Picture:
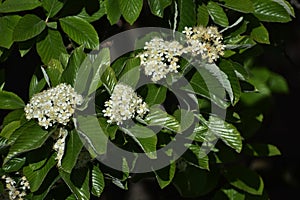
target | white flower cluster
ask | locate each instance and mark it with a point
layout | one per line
(55, 105)
(160, 58)
(16, 190)
(124, 104)
(204, 41)
(59, 145)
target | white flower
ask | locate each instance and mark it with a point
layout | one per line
(55, 105)
(59, 146)
(16, 190)
(206, 42)
(160, 58)
(124, 104)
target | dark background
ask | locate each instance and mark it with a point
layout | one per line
(281, 174)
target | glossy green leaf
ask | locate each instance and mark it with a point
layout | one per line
(8, 129)
(270, 11)
(187, 14)
(217, 14)
(113, 11)
(36, 176)
(98, 182)
(8, 24)
(158, 117)
(165, 175)
(28, 137)
(10, 101)
(131, 72)
(70, 73)
(98, 11)
(245, 7)
(157, 7)
(80, 31)
(156, 94)
(131, 9)
(28, 27)
(261, 150)
(14, 115)
(202, 15)
(195, 182)
(72, 150)
(226, 132)
(16, 5)
(202, 158)
(92, 134)
(287, 6)
(51, 47)
(52, 7)
(245, 179)
(78, 182)
(260, 34)
(109, 79)
(144, 137)
(228, 69)
(14, 165)
(54, 70)
(36, 85)
(46, 186)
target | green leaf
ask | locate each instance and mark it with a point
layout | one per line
(28, 137)
(54, 71)
(165, 175)
(260, 34)
(35, 85)
(158, 117)
(70, 73)
(94, 15)
(156, 94)
(277, 83)
(131, 9)
(14, 165)
(195, 182)
(9, 129)
(217, 14)
(187, 14)
(287, 6)
(92, 134)
(51, 47)
(8, 24)
(14, 115)
(98, 183)
(109, 79)
(10, 101)
(17, 5)
(36, 176)
(25, 46)
(78, 182)
(113, 11)
(270, 11)
(202, 158)
(245, 179)
(131, 72)
(228, 69)
(202, 15)
(80, 31)
(72, 150)
(229, 193)
(144, 137)
(245, 7)
(261, 150)
(52, 7)
(28, 27)
(227, 132)
(157, 7)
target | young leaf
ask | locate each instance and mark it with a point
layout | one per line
(98, 182)
(217, 14)
(80, 31)
(260, 34)
(113, 11)
(17, 5)
(28, 27)
(131, 9)
(270, 11)
(7, 24)
(202, 15)
(10, 101)
(51, 47)
(157, 7)
(187, 14)
(52, 7)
